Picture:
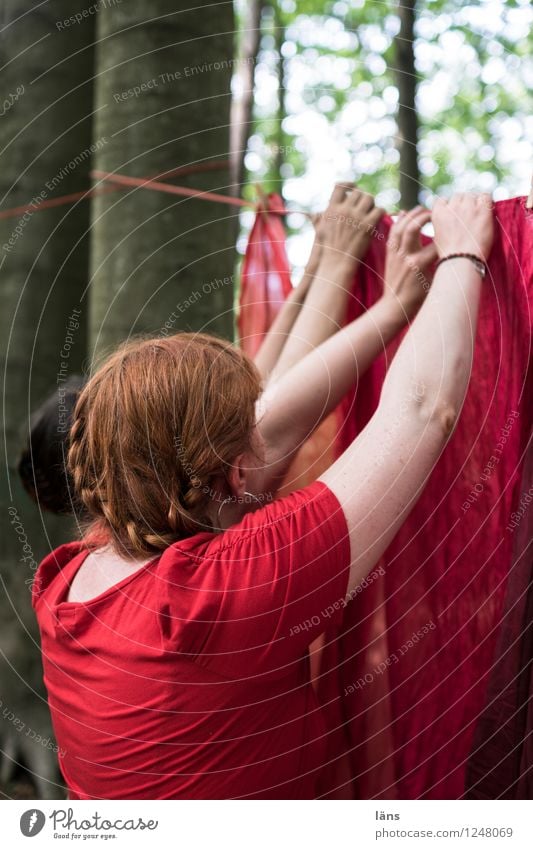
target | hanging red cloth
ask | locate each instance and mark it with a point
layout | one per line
(501, 762)
(406, 679)
(265, 276)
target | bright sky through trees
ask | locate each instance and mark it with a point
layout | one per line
(340, 99)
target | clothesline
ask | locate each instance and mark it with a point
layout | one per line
(169, 188)
(94, 192)
(153, 184)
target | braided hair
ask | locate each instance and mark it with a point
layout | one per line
(152, 429)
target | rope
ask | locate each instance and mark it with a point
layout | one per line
(155, 185)
(122, 181)
(88, 193)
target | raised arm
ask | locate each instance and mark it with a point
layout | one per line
(343, 235)
(272, 346)
(381, 475)
(292, 407)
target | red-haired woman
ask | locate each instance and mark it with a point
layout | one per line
(175, 634)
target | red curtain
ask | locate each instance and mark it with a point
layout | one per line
(405, 681)
(265, 276)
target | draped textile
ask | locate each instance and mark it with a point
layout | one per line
(406, 678)
(265, 276)
(501, 761)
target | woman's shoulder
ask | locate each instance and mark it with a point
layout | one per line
(220, 595)
(53, 565)
(294, 514)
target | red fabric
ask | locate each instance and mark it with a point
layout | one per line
(407, 679)
(265, 276)
(501, 762)
(190, 678)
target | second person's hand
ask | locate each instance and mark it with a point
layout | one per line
(408, 261)
(346, 227)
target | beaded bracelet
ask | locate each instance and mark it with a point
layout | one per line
(480, 264)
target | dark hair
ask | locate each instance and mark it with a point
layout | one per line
(42, 465)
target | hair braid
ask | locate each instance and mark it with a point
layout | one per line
(152, 429)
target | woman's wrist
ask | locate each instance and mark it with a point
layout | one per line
(337, 269)
(475, 259)
(458, 265)
(314, 259)
(301, 290)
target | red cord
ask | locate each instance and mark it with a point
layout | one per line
(152, 183)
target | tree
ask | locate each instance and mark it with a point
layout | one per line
(162, 101)
(242, 103)
(279, 40)
(46, 152)
(345, 109)
(407, 118)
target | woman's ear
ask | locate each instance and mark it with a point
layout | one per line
(236, 476)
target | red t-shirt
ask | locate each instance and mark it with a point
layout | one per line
(190, 678)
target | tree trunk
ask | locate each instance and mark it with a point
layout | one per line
(45, 152)
(242, 105)
(279, 151)
(407, 118)
(161, 263)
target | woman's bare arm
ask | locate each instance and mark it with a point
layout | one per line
(272, 346)
(344, 231)
(381, 475)
(294, 406)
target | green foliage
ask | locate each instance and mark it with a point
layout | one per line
(340, 97)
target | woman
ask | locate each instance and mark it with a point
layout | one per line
(42, 463)
(175, 636)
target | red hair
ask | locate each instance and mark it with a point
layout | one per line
(152, 429)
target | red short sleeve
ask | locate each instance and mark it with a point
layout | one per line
(251, 600)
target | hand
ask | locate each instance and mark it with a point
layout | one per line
(408, 261)
(464, 224)
(346, 227)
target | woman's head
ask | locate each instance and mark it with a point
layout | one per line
(156, 430)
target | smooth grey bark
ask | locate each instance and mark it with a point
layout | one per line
(45, 140)
(159, 263)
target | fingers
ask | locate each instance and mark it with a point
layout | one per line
(464, 201)
(338, 194)
(464, 224)
(347, 194)
(354, 208)
(375, 215)
(471, 198)
(411, 232)
(485, 200)
(402, 221)
(360, 201)
(405, 232)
